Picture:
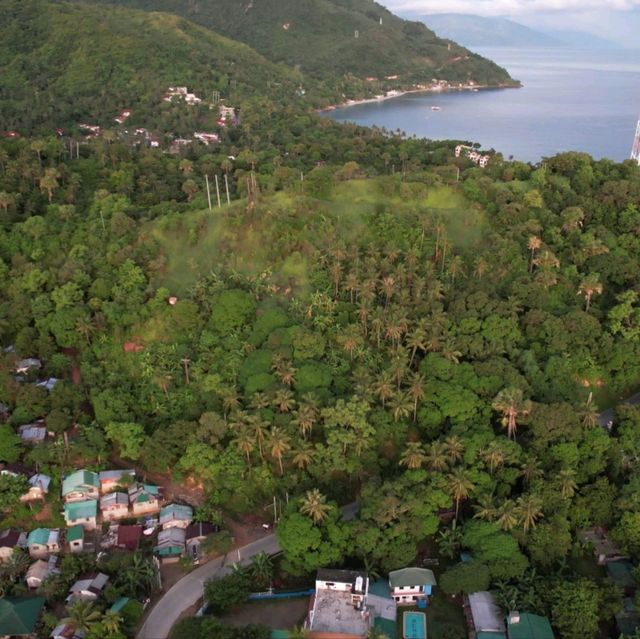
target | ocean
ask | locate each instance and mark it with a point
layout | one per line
(572, 100)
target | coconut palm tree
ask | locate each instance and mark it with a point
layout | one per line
(416, 391)
(383, 388)
(314, 505)
(259, 401)
(511, 403)
(529, 511)
(568, 485)
(283, 400)
(453, 447)
(494, 456)
(436, 457)
(304, 419)
(245, 444)
(303, 456)
(486, 509)
(258, 427)
(413, 456)
(111, 622)
(401, 406)
(82, 615)
(530, 470)
(416, 341)
(507, 515)
(460, 487)
(589, 287)
(279, 444)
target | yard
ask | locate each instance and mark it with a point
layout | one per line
(276, 614)
(445, 619)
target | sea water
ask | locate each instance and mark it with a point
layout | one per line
(572, 100)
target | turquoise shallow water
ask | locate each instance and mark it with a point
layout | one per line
(572, 101)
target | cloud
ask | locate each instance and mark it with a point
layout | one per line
(510, 7)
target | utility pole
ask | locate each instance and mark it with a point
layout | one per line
(218, 191)
(226, 182)
(206, 179)
(185, 360)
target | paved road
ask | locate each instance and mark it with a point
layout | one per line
(188, 591)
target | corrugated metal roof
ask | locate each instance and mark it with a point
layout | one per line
(412, 577)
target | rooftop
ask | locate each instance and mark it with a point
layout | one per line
(412, 577)
(341, 576)
(487, 616)
(129, 536)
(40, 481)
(9, 538)
(79, 479)
(175, 511)
(19, 615)
(75, 533)
(334, 612)
(109, 475)
(38, 536)
(201, 529)
(81, 509)
(114, 499)
(529, 626)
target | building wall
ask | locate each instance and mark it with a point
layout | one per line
(175, 523)
(333, 585)
(88, 524)
(79, 495)
(38, 551)
(145, 508)
(115, 512)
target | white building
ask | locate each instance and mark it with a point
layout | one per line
(409, 585)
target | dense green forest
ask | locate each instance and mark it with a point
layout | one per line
(359, 317)
(318, 36)
(356, 323)
(64, 64)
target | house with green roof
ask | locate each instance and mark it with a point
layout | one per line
(19, 616)
(81, 485)
(409, 585)
(83, 513)
(145, 499)
(525, 625)
(75, 538)
(176, 516)
(42, 542)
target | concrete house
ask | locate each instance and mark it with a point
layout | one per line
(10, 539)
(81, 512)
(409, 585)
(176, 516)
(114, 506)
(88, 588)
(38, 488)
(170, 543)
(39, 571)
(339, 606)
(25, 365)
(81, 485)
(111, 479)
(42, 542)
(144, 499)
(75, 538)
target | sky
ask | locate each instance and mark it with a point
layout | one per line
(618, 20)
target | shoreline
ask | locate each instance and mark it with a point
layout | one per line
(390, 95)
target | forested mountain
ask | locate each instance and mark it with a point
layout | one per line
(63, 63)
(433, 344)
(318, 36)
(481, 31)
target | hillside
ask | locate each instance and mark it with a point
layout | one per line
(319, 37)
(480, 31)
(63, 63)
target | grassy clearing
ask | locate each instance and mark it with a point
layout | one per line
(285, 230)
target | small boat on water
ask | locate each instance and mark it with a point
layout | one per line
(436, 108)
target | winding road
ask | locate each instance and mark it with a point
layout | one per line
(188, 591)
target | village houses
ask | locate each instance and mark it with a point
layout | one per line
(42, 542)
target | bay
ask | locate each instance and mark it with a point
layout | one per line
(572, 100)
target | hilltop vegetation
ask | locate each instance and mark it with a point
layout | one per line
(63, 63)
(318, 36)
(436, 348)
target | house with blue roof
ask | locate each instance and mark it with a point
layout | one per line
(42, 542)
(176, 516)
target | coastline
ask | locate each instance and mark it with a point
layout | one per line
(397, 93)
